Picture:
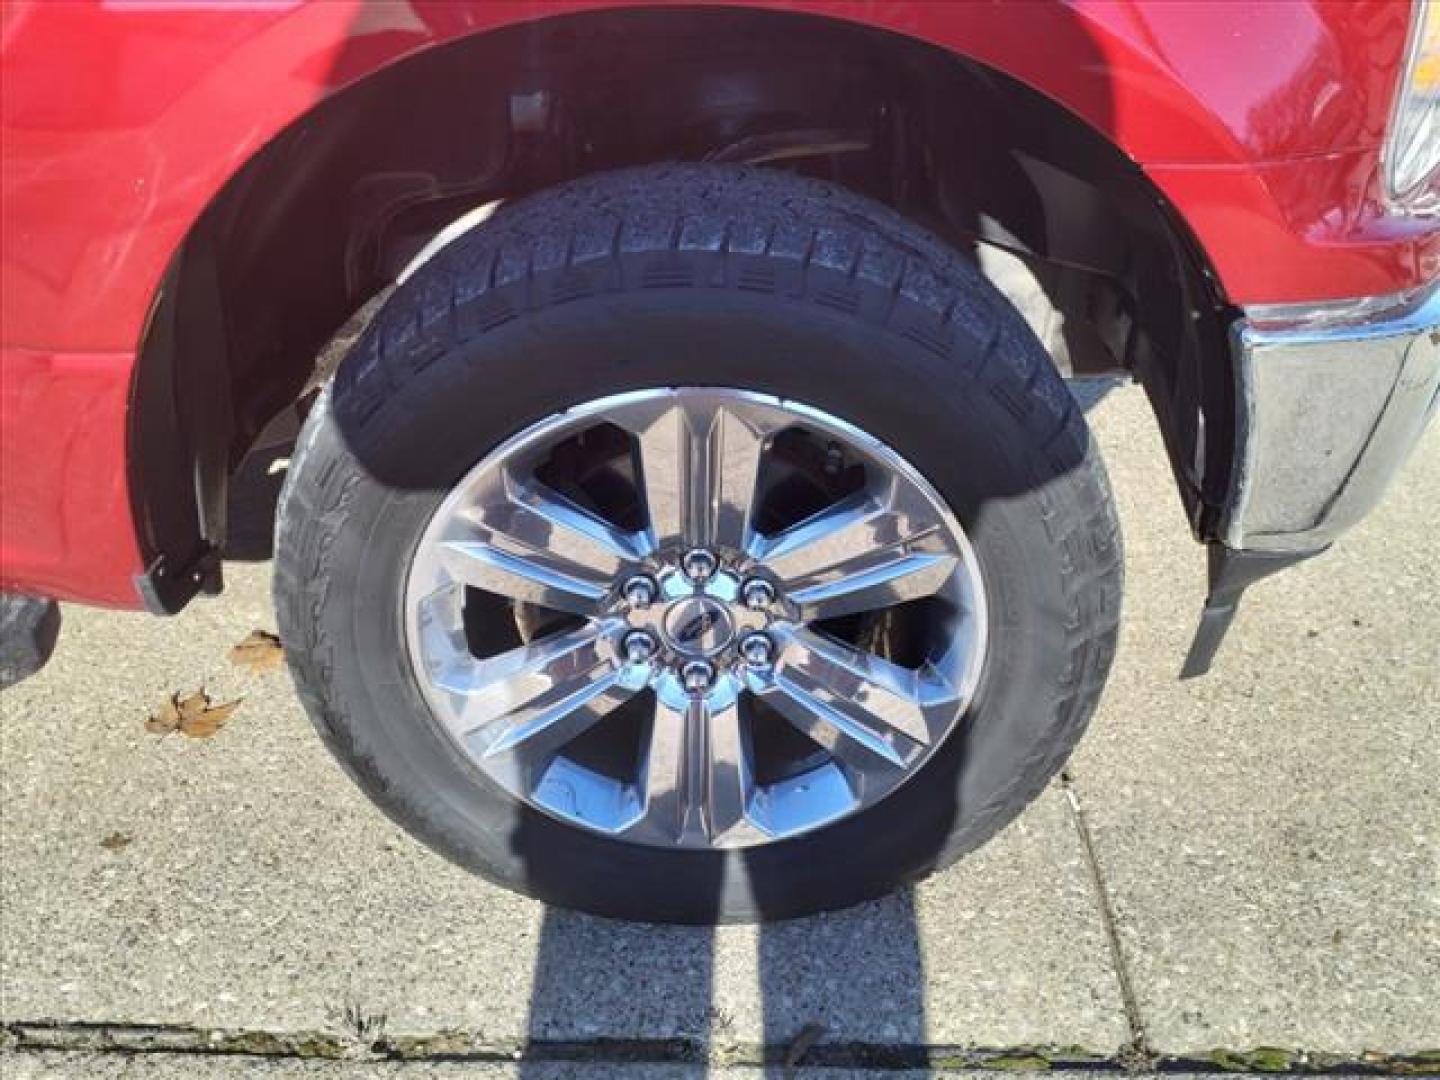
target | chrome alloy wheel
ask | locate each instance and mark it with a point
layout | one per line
(696, 617)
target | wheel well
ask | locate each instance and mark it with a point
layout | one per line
(328, 213)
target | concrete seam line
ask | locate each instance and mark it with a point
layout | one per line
(1137, 1053)
(122, 1039)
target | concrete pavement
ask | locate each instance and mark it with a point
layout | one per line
(1260, 888)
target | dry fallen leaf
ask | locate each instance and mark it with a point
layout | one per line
(260, 651)
(191, 715)
(209, 721)
(166, 720)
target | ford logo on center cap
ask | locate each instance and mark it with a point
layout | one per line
(698, 626)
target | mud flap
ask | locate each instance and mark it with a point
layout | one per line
(1231, 573)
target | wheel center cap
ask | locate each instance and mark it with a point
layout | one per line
(698, 626)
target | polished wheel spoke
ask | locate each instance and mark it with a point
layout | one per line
(699, 467)
(532, 544)
(871, 550)
(533, 700)
(871, 714)
(697, 776)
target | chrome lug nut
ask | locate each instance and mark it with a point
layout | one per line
(639, 592)
(638, 646)
(699, 564)
(757, 649)
(757, 594)
(698, 676)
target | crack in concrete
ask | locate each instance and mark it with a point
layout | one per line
(1136, 1055)
(456, 1045)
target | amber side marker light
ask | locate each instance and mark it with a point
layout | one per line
(1412, 150)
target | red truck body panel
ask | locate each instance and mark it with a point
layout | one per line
(121, 119)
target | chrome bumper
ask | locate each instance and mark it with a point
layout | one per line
(1330, 401)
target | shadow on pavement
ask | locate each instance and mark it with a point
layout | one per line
(855, 975)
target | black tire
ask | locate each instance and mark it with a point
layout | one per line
(29, 628)
(721, 276)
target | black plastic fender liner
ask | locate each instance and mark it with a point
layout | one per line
(320, 221)
(179, 441)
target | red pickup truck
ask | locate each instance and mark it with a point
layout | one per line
(688, 518)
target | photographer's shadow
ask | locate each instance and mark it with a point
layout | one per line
(627, 991)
